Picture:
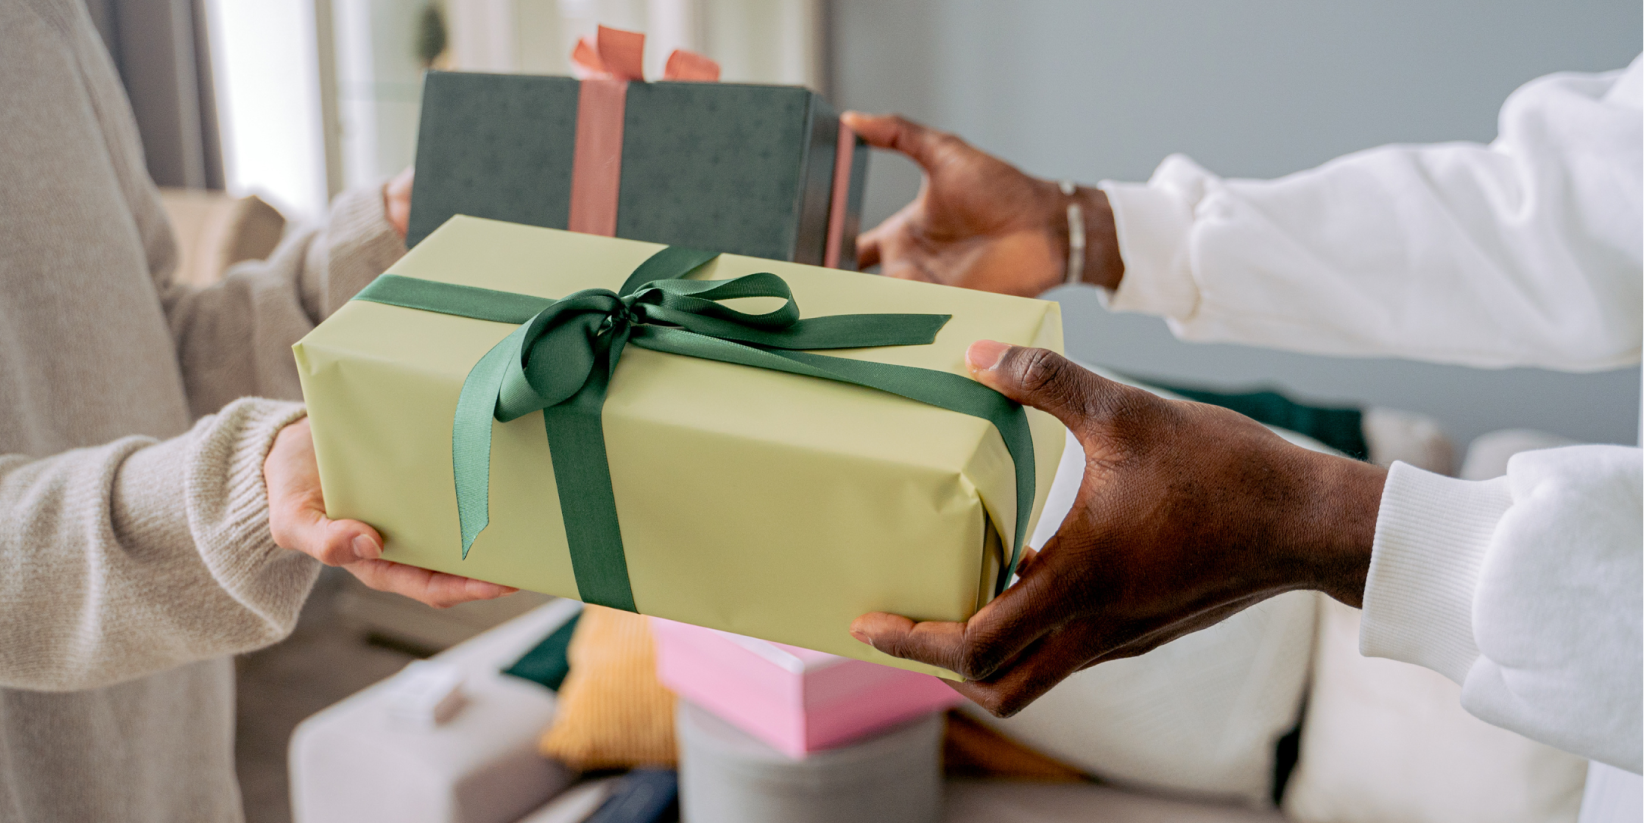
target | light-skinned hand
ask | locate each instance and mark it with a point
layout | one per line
(397, 202)
(978, 222)
(1187, 513)
(298, 521)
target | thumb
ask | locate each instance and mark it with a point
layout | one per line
(889, 131)
(299, 523)
(1044, 380)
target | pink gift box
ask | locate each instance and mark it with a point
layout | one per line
(796, 700)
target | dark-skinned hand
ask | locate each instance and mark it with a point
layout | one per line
(1186, 514)
(979, 222)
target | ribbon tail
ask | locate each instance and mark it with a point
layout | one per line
(472, 438)
(583, 482)
(690, 67)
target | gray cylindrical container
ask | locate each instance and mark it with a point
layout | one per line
(726, 776)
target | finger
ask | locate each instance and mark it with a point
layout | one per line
(976, 649)
(1152, 639)
(1052, 659)
(347, 541)
(869, 248)
(889, 131)
(1026, 559)
(432, 588)
(297, 509)
(1044, 380)
(303, 526)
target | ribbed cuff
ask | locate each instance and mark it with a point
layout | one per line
(227, 499)
(360, 244)
(1432, 535)
(1152, 229)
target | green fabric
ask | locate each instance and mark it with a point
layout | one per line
(546, 662)
(561, 357)
(1339, 428)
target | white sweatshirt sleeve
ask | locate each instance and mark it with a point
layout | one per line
(1524, 252)
(1527, 590)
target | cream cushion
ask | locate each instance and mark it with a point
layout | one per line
(1388, 741)
(214, 231)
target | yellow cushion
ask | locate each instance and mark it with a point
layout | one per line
(612, 712)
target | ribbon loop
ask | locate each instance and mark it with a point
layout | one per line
(616, 53)
(560, 360)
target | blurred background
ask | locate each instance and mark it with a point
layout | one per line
(297, 99)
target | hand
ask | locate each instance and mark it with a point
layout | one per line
(397, 202)
(1187, 514)
(978, 222)
(297, 518)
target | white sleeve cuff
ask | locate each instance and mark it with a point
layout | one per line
(1152, 225)
(1432, 534)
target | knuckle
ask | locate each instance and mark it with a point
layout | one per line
(1038, 370)
(977, 661)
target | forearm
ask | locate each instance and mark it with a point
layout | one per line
(1335, 526)
(140, 555)
(234, 337)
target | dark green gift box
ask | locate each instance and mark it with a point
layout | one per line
(746, 169)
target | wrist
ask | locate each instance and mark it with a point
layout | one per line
(1100, 260)
(1334, 530)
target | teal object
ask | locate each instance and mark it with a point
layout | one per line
(1338, 427)
(561, 356)
(546, 663)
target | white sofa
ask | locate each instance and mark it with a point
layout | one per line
(356, 762)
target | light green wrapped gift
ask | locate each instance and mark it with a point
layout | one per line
(737, 471)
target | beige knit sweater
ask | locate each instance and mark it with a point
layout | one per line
(135, 554)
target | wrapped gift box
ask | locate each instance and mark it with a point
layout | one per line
(765, 171)
(766, 504)
(796, 700)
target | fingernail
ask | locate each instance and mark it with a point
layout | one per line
(985, 355)
(860, 636)
(366, 548)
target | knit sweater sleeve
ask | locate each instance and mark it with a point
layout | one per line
(138, 555)
(234, 337)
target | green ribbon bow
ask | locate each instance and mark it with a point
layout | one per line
(561, 358)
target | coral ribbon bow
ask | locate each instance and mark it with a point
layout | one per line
(616, 54)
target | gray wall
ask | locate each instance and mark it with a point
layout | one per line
(1105, 89)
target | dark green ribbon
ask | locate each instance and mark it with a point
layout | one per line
(561, 358)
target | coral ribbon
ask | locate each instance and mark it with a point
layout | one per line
(606, 65)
